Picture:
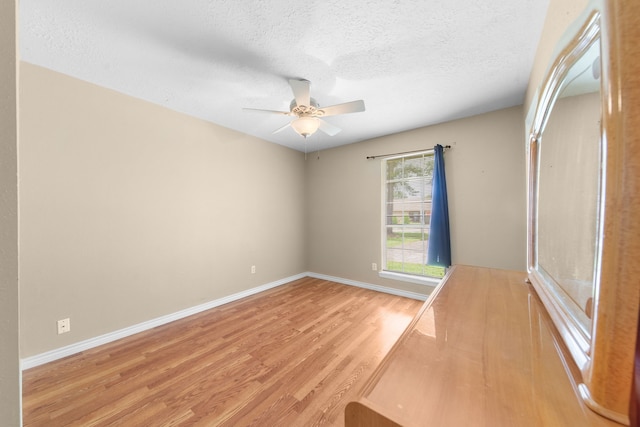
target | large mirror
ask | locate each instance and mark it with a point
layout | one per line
(569, 153)
(583, 153)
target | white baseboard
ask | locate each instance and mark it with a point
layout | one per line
(78, 347)
(378, 288)
(59, 353)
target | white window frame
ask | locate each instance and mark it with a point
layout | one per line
(388, 274)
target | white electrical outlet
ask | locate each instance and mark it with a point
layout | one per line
(374, 266)
(253, 269)
(64, 326)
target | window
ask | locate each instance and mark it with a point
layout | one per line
(407, 204)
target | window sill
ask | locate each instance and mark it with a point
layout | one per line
(429, 281)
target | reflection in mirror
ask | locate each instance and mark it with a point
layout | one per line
(569, 188)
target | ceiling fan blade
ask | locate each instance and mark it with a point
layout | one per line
(281, 129)
(347, 107)
(300, 89)
(328, 128)
(283, 113)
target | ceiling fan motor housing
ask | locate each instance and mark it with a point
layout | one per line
(305, 110)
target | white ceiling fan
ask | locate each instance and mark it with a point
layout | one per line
(309, 114)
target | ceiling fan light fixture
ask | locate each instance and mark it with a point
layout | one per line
(305, 126)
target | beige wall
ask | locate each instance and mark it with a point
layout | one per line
(9, 294)
(485, 181)
(129, 211)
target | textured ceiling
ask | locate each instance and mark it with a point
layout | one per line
(413, 62)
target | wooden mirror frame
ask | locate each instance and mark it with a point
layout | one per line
(606, 358)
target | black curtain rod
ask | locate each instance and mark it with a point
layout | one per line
(446, 147)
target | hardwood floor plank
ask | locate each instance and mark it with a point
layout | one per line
(291, 356)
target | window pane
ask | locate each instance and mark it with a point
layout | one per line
(414, 166)
(407, 192)
(394, 169)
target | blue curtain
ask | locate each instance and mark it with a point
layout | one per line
(439, 252)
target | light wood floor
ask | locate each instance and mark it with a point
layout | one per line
(291, 356)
